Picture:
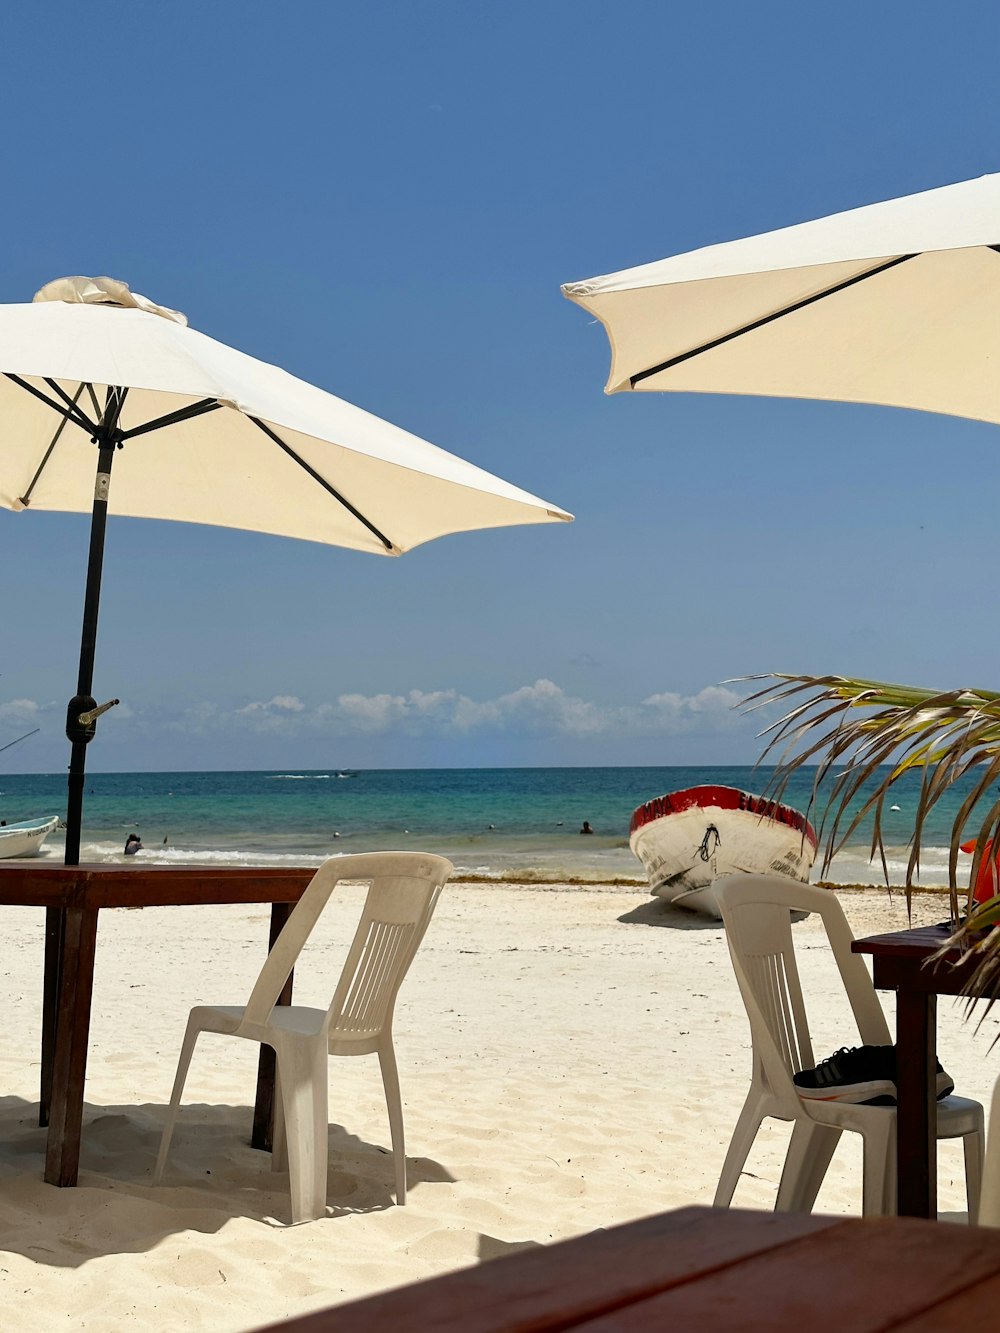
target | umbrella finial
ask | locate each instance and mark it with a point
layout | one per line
(103, 291)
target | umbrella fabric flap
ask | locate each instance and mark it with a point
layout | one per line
(894, 303)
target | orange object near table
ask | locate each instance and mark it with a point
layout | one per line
(988, 879)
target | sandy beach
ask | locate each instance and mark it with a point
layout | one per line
(571, 1057)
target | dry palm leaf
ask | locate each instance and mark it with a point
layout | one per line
(863, 736)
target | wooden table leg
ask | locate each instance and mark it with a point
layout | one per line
(916, 1115)
(262, 1135)
(69, 1066)
(55, 928)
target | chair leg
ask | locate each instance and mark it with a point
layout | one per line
(394, 1105)
(809, 1152)
(890, 1186)
(972, 1145)
(303, 1069)
(279, 1140)
(183, 1064)
(878, 1191)
(747, 1125)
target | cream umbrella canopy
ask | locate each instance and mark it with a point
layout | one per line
(896, 303)
(95, 378)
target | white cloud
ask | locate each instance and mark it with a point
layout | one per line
(20, 712)
(281, 703)
(376, 712)
(711, 707)
(539, 709)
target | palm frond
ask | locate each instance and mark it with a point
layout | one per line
(862, 736)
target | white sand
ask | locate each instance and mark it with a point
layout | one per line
(570, 1058)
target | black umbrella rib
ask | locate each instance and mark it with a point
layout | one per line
(57, 389)
(26, 497)
(72, 411)
(321, 481)
(173, 418)
(768, 319)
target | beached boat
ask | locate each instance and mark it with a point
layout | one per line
(686, 839)
(26, 837)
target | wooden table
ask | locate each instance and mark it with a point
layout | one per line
(74, 897)
(900, 963)
(704, 1270)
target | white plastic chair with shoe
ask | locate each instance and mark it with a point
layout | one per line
(403, 891)
(756, 910)
(989, 1207)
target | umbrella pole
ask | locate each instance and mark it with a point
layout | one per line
(79, 734)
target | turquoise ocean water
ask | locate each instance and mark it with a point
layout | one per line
(494, 821)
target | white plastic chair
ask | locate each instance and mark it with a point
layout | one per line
(756, 910)
(404, 889)
(989, 1206)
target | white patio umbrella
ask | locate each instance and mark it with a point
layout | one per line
(896, 303)
(93, 375)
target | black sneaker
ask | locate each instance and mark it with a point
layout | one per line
(860, 1074)
(945, 1083)
(855, 1074)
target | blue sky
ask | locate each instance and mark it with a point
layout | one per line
(383, 199)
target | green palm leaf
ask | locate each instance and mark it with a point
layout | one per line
(863, 736)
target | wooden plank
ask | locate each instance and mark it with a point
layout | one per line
(916, 1109)
(867, 1276)
(918, 940)
(900, 961)
(69, 1071)
(148, 886)
(55, 931)
(972, 1311)
(559, 1286)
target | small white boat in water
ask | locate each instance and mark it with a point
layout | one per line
(26, 837)
(687, 839)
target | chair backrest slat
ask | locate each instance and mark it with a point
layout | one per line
(371, 987)
(403, 890)
(756, 910)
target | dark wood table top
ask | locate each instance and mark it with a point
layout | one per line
(916, 941)
(33, 883)
(904, 960)
(708, 1270)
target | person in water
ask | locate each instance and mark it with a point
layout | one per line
(133, 844)
(586, 827)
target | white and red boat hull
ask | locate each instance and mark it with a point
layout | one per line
(687, 839)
